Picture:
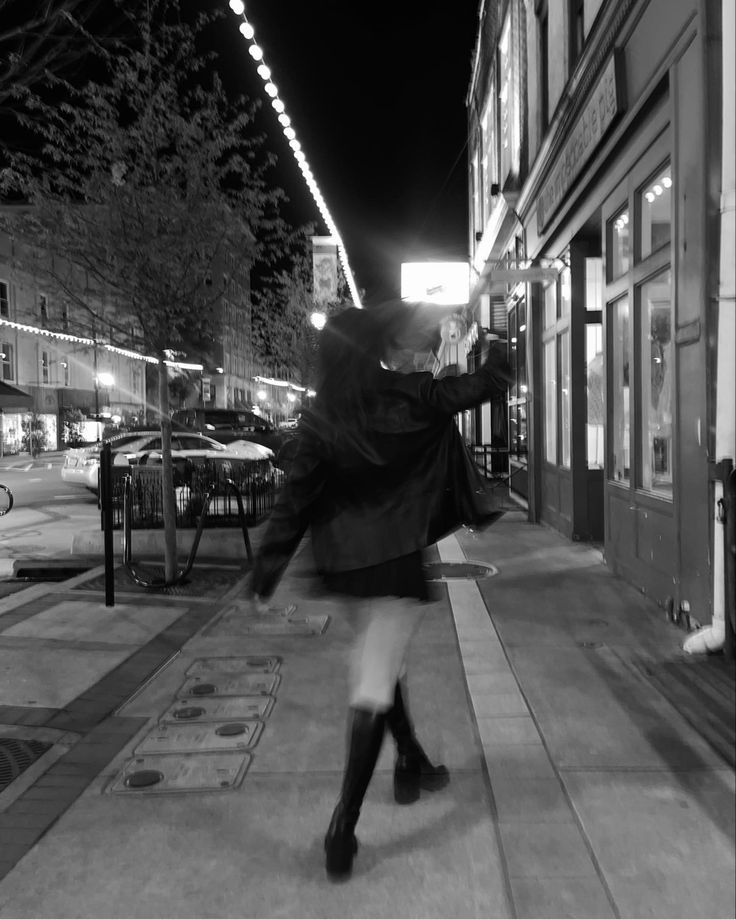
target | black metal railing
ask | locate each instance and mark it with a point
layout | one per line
(257, 482)
(493, 462)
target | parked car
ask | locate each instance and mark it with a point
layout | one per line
(227, 425)
(81, 466)
(289, 424)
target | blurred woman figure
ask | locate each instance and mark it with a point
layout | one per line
(374, 476)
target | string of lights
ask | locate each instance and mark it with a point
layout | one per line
(93, 343)
(264, 72)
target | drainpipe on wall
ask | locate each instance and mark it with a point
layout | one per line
(712, 637)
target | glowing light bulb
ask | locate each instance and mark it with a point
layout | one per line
(237, 6)
(278, 105)
(295, 145)
(290, 133)
(650, 196)
(264, 72)
(658, 189)
(256, 52)
(247, 30)
(667, 182)
(284, 119)
(271, 90)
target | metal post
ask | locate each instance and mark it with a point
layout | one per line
(106, 505)
(729, 498)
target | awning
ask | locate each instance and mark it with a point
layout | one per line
(10, 397)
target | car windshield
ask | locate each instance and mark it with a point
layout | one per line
(147, 442)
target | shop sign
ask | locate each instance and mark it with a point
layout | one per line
(605, 103)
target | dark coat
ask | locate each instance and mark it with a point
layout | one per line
(385, 496)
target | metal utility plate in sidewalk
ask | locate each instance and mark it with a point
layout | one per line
(234, 665)
(156, 774)
(229, 684)
(450, 571)
(233, 620)
(214, 709)
(16, 755)
(230, 736)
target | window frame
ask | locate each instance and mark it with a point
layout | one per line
(558, 331)
(8, 362)
(5, 313)
(630, 283)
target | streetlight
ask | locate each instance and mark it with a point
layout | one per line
(318, 320)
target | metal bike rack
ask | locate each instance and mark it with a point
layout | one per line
(179, 577)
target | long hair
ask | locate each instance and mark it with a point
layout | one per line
(351, 348)
(348, 361)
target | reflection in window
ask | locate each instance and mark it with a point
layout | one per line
(565, 424)
(594, 369)
(656, 384)
(620, 383)
(618, 260)
(550, 401)
(656, 213)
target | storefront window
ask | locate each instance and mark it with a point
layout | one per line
(618, 259)
(550, 401)
(620, 350)
(563, 343)
(593, 284)
(518, 388)
(550, 305)
(655, 210)
(565, 292)
(594, 369)
(657, 352)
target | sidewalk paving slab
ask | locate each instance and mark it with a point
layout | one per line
(577, 789)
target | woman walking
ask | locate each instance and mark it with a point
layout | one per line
(375, 477)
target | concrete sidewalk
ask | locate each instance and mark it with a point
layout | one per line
(578, 790)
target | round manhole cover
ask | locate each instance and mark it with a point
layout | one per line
(143, 778)
(203, 689)
(190, 712)
(230, 730)
(447, 571)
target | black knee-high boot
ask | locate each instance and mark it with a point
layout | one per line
(365, 736)
(413, 770)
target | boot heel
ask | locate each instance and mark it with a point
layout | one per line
(406, 788)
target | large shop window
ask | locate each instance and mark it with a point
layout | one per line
(595, 422)
(639, 336)
(556, 370)
(517, 404)
(620, 334)
(657, 350)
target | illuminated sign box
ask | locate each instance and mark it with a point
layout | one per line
(445, 283)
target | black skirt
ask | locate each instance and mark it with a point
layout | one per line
(398, 577)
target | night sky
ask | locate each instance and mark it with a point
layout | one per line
(376, 94)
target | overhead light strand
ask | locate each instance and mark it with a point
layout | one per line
(270, 87)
